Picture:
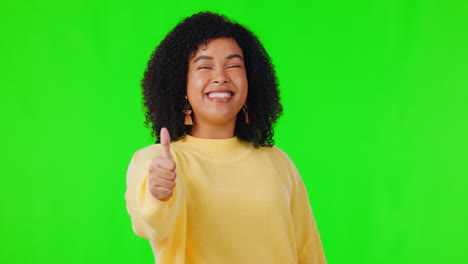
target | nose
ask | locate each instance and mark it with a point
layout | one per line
(220, 76)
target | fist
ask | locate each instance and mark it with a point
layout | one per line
(162, 174)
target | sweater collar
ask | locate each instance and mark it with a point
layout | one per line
(231, 149)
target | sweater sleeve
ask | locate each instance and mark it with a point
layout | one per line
(152, 219)
(309, 246)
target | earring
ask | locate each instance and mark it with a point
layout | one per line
(188, 111)
(244, 108)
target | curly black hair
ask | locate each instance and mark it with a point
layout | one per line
(164, 81)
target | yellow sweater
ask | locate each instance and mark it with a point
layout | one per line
(232, 204)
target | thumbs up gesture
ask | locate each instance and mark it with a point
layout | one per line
(162, 170)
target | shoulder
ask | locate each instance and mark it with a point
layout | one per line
(278, 155)
(147, 153)
(287, 161)
(276, 152)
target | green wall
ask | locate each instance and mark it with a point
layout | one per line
(376, 105)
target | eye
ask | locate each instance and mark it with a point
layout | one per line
(234, 66)
(204, 68)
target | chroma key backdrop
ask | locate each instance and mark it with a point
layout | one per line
(376, 120)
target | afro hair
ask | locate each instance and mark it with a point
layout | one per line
(164, 81)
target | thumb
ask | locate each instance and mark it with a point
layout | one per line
(165, 143)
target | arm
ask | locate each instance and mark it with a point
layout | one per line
(309, 246)
(151, 218)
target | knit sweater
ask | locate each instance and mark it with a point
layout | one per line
(232, 203)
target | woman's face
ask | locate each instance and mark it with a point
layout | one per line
(217, 82)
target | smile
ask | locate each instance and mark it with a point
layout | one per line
(219, 95)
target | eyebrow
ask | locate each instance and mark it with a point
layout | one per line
(234, 56)
(211, 58)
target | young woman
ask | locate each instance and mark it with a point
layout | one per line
(214, 189)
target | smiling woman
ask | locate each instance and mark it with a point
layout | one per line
(216, 88)
(165, 80)
(215, 189)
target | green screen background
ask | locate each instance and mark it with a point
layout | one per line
(375, 97)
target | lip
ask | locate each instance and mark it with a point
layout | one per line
(220, 100)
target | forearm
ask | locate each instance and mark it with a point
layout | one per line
(151, 218)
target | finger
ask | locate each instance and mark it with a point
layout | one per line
(165, 143)
(162, 173)
(163, 183)
(160, 192)
(167, 164)
(164, 192)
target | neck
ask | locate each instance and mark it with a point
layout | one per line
(213, 131)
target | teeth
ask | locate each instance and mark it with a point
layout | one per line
(219, 95)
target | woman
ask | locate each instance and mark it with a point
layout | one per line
(216, 190)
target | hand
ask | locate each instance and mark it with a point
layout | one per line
(162, 174)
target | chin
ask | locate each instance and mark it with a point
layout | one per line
(220, 118)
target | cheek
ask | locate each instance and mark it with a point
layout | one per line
(191, 89)
(194, 90)
(242, 85)
(195, 82)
